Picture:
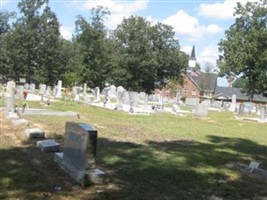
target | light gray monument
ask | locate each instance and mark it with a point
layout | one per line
(59, 86)
(97, 95)
(79, 152)
(201, 111)
(241, 109)
(263, 114)
(42, 89)
(84, 89)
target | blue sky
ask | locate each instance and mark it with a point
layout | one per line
(196, 22)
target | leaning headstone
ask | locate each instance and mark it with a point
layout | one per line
(48, 145)
(78, 157)
(59, 85)
(34, 133)
(201, 111)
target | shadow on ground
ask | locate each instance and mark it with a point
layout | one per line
(155, 170)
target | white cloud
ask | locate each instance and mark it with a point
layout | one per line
(223, 10)
(66, 32)
(188, 25)
(208, 55)
(118, 9)
(152, 20)
(186, 49)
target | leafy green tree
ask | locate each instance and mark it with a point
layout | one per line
(240, 83)
(244, 51)
(28, 26)
(92, 40)
(147, 54)
(5, 29)
(50, 64)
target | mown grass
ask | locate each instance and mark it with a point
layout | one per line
(160, 156)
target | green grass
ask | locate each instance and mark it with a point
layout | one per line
(160, 156)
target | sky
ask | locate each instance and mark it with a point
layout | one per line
(196, 22)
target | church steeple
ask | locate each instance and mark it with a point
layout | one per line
(192, 60)
(193, 54)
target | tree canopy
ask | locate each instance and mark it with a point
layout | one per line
(136, 55)
(244, 51)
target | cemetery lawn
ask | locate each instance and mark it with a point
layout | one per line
(160, 156)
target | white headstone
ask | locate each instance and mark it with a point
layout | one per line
(59, 86)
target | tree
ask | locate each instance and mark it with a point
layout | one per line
(5, 29)
(92, 38)
(244, 51)
(49, 57)
(240, 83)
(147, 54)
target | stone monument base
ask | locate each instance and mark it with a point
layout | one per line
(83, 177)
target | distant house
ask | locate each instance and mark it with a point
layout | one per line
(226, 93)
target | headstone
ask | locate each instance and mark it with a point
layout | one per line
(10, 100)
(42, 89)
(76, 93)
(10, 87)
(106, 91)
(84, 89)
(48, 145)
(48, 90)
(59, 86)
(96, 94)
(34, 133)
(126, 98)
(26, 86)
(241, 109)
(32, 87)
(201, 111)
(262, 114)
(112, 91)
(20, 91)
(78, 157)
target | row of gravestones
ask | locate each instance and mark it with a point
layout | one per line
(79, 151)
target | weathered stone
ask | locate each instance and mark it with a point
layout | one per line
(48, 145)
(34, 133)
(20, 122)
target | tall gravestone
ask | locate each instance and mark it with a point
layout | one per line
(262, 114)
(241, 109)
(79, 152)
(84, 89)
(96, 94)
(10, 96)
(59, 86)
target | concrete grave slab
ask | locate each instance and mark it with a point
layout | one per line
(11, 115)
(48, 145)
(34, 133)
(20, 122)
